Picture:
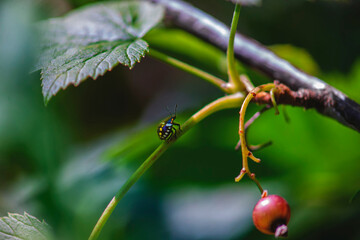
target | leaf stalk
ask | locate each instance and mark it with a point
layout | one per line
(221, 84)
(234, 77)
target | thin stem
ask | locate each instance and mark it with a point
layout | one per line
(272, 95)
(259, 146)
(256, 116)
(252, 176)
(233, 73)
(191, 69)
(230, 101)
(244, 149)
(285, 114)
(247, 83)
(247, 126)
(125, 188)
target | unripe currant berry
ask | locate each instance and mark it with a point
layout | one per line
(271, 215)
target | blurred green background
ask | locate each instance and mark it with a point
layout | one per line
(64, 162)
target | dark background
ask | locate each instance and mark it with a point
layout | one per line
(64, 162)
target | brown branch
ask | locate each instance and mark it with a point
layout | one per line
(306, 98)
(328, 101)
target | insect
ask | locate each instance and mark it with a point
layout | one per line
(166, 128)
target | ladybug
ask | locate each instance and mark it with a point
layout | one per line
(166, 128)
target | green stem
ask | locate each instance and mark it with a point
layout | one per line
(272, 95)
(230, 101)
(233, 73)
(190, 69)
(125, 188)
(257, 183)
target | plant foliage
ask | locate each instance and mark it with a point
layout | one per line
(92, 40)
(26, 227)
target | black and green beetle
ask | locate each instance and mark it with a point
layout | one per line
(166, 128)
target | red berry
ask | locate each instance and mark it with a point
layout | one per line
(271, 215)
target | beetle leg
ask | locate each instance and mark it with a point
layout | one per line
(176, 124)
(173, 129)
(170, 136)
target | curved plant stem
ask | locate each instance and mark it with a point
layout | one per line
(272, 95)
(190, 69)
(234, 78)
(230, 101)
(125, 188)
(244, 149)
(247, 126)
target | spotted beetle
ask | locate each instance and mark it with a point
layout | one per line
(166, 128)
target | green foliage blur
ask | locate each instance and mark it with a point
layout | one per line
(64, 162)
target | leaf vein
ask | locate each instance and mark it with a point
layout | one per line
(97, 65)
(39, 230)
(15, 236)
(13, 231)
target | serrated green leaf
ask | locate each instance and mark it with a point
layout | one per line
(92, 40)
(25, 227)
(93, 60)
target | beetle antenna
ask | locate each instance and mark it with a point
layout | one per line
(175, 108)
(168, 110)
